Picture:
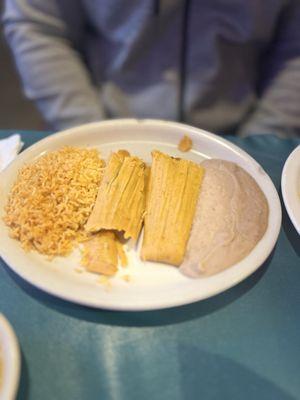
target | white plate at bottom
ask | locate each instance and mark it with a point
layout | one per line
(9, 361)
(290, 186)
(151, 285)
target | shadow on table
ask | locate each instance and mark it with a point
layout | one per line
(145, 318)
(23, 393)
(289, 229)
(218, 377)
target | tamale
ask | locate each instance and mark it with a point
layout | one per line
(171, 201)
(100, 254)
(147, 179)
(120, 203)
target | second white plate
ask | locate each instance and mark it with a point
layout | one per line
(151, 285)
(9, 361)
(290, 186)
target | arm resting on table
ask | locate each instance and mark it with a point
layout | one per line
(52, 71)
(278, 110)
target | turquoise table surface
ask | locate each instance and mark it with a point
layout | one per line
(242, 344)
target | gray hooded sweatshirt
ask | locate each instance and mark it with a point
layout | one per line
(229, 66)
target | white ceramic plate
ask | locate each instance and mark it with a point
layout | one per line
(152, 285)
(9, 361)
(290, 186)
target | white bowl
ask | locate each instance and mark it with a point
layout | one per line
(10, 359)
(290, 187)
(153, 285)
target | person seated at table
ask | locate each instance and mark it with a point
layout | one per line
(228, 67)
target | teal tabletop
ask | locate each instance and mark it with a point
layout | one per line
(241, 344)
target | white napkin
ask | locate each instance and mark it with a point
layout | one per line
(9, 148)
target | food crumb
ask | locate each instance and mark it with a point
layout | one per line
(105, 281)
(126, 278)
(79, 270)
(185, 144)
(124, 153)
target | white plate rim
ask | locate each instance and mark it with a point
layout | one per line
(290, 178)
(154, 305)
(11, 359)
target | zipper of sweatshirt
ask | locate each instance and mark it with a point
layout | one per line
(183, 57)
(156, 7)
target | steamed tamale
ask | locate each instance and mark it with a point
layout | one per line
(100, 253)
(120, 204)
(171, 200)
(147, 179)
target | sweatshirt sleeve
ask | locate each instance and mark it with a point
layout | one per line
(52, 71)
(278, 109)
